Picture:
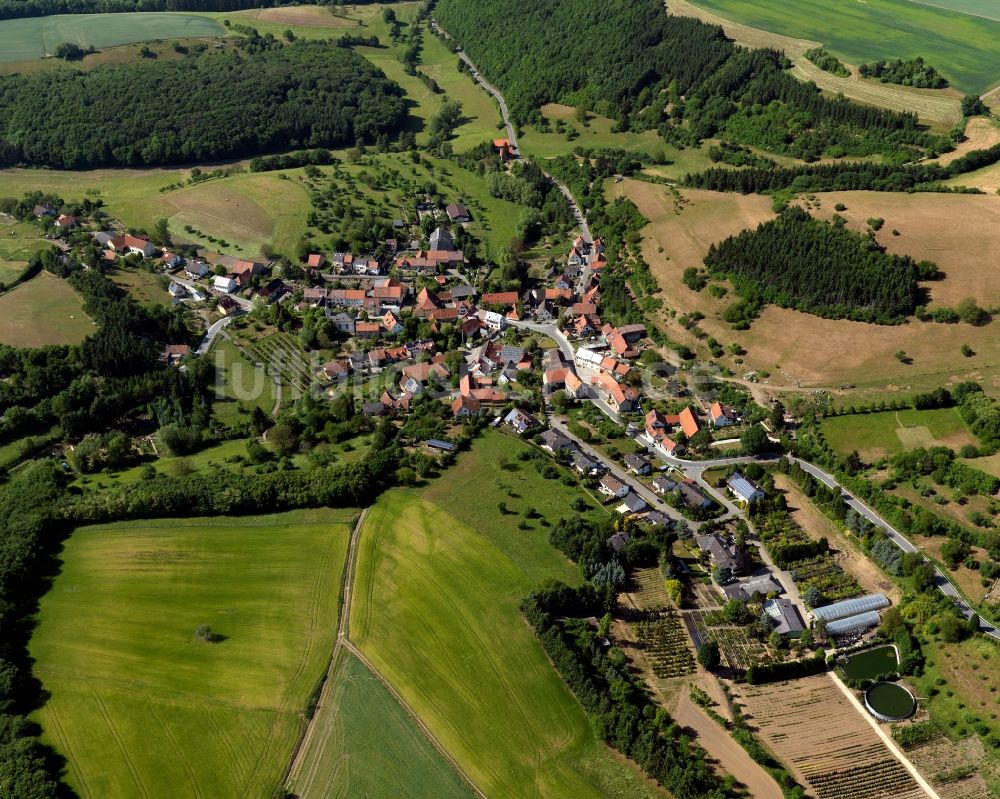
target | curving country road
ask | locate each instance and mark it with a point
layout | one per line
(477, 76)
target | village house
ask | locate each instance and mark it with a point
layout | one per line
(463, 406)
(176, 290)
(245, 271)
(224, 284)
(338, 369)
(631, 503)
(693, 496)
(273, 290)
(744, 490)
(752, 588)
(43, 210)
(316, 260)
(720, 416)
(688, 422)
(720, 554)
(342, 322)
(64, 222)
(365, 330)
(458, 213)
(622, 398)
(520, 421)
(173, 353)
(195, 269)
(554, 441)
(585, 465)
(786, 617)
(663, 484)
(228, 306)
(612, 487)
(637, 464)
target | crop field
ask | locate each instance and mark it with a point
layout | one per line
(36, 37)
(825, 352)
(666, 645)
(370, 746)
(962, 47)
(141, 707)
(877, 435)
(812, 726)
(436, 610)
(45, 310)
(937, 107)
(646, 589)
(283, 359)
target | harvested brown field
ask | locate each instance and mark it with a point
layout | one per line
(314, 16)
(936, 106)
(800, 350)
(980, 134)
(817, 525)
(813, 727)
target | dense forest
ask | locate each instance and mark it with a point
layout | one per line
(916, 73)
(799, 262)
(206, 107)
(677, 75)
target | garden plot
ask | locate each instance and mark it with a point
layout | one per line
(739, 649)
(647, 590)
(813, 727)
(954, 769)
(666, 646)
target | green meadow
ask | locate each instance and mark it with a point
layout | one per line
(962, 47)
(440, 576)
(138, 704)
(366, 745)
(37, 37)
(876, 435)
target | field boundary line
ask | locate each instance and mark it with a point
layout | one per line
(886, 739)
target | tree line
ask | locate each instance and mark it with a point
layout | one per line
(915, 72)
(825, 269)
(201, 107)
(673, 74)
(13, 9)
(842, 176)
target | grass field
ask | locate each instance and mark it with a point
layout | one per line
(145, 287)
(45, 310)
(962, 47)
(833, 353)
(372, 748)
(436, 610)
(876, 435)
(939, 108)
(596, 134)
(138, 705)
(480, 481)
(36, 37)
(238, 381)
(18, 242)
(245, 210)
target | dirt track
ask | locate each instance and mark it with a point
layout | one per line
(730, 755)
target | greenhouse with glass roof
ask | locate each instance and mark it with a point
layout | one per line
(851, 607)
(853, 624)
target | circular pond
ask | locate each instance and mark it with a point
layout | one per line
(889, 702)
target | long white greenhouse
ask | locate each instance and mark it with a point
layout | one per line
(853, 624)
(851, 607)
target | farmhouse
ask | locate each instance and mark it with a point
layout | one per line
(441, 240)
(762, 585)
(611, 486)
(245, 271)
(744, 490)
(132, 245)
